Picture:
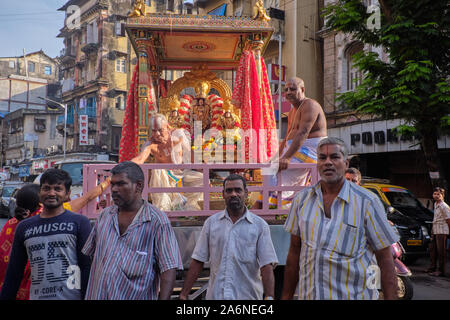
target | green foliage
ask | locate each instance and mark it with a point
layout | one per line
(415, 83)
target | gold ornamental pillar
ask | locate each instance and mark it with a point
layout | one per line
(142, 96)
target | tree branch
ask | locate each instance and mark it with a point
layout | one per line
(386, 8)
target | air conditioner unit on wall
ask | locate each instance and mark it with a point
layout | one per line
(39, 128)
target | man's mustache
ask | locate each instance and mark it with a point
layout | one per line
(235, 201)
(116, 197)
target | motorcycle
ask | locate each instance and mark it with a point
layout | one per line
(404, 283)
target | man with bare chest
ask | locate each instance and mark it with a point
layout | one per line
(162, 145)
(307, 125)
(166, 146)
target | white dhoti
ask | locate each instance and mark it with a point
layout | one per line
(192, 178)
(166, 201)
(307, 153)
(173, 201)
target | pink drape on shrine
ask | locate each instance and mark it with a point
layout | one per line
(129, 141)
(252, 95)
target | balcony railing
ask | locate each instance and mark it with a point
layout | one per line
(68, 55)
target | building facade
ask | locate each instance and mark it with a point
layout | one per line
(31, 134)
(28, 129)
(26, 78)
(97, 64)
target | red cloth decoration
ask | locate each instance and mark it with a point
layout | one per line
(252, 95)
(129, 141)
(164, 86)
(6, 241)
(128, 148)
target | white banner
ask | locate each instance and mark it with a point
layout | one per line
(84, 141)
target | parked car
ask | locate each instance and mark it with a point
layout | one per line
(7, 190)
(404, 201)
(414, 227)
(413, 236)
(12, 203)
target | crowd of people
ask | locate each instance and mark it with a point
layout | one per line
(338, 231)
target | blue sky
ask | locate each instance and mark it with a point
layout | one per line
(31, 25)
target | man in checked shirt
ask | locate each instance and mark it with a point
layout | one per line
(337, 230)
(440, 231)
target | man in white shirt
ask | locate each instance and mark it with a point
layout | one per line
(239, 248)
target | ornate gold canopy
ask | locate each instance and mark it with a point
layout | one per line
(199, 43)
(174, 41)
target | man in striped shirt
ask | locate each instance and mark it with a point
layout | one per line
(337, 230)
(440, 230)
(133, 246)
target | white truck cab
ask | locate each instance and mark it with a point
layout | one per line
(75, 170)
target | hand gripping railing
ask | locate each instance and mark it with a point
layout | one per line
(93, 174)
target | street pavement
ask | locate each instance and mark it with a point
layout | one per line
(426, 287)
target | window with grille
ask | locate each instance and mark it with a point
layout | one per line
(353, 75)
(119, 29)
(91, 107)
(92, 32)
(48, 70)
(120, 102)
(88, 107)
(70, 113)
(121, 65)
(31, 66)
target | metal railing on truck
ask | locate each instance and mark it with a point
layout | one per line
(94, 174)
(187, 235)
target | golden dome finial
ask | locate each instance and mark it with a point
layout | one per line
(260, 12)
(138, 9)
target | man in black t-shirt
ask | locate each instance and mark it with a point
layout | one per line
(52, 243)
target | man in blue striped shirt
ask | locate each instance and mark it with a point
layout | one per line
(133, 246)
(340, 236)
